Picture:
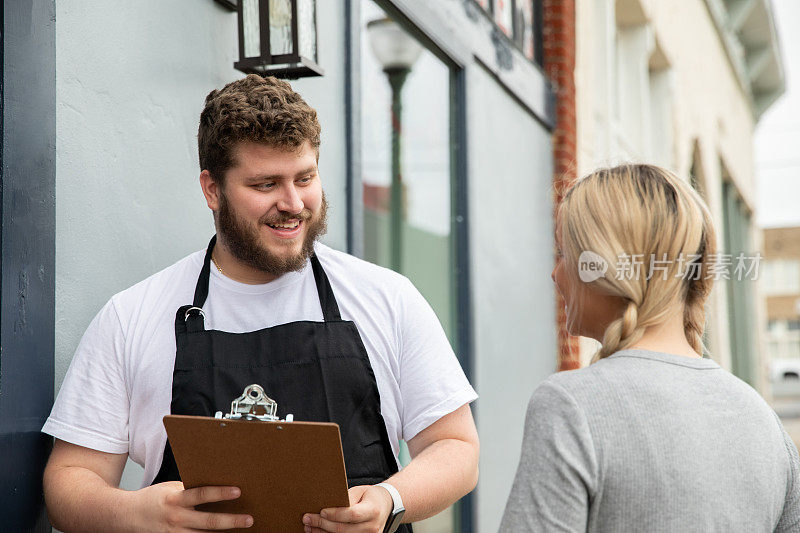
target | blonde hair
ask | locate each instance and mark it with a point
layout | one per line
(642, 211)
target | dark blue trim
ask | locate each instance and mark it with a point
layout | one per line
(27, 259)
(458, 87)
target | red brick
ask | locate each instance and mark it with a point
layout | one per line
(558, 47)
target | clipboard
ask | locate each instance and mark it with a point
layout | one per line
(283, 468)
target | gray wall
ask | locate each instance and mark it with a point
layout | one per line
(510, 168)
(131, 79)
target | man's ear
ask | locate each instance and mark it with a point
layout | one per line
(211, 190)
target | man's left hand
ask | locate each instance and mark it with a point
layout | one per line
(369, 509)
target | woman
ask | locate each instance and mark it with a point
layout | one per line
(651, 436)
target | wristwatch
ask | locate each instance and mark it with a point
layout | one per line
(396, 516)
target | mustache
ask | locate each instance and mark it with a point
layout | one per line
(283, 217)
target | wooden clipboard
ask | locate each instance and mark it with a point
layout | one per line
(284, 469)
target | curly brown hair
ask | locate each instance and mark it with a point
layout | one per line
(256, 109)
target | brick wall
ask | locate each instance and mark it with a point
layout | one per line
(558, 35)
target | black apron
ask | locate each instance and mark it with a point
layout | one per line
(318, 371)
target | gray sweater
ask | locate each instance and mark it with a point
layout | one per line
(649, 441)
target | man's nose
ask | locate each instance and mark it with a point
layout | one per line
(290, 201)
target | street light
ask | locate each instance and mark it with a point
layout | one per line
(397, 51)
(277, 37)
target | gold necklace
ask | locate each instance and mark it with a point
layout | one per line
(217, 265)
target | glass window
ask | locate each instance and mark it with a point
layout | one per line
(252, 32)
(737, 224)
(792, 349)
(406, 172)
(773, 348)
(280, 27)
(781, 276)
(503, 15)
(520, 21)
(407, 211)
(524, 24)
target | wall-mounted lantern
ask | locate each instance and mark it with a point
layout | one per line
(277, 37)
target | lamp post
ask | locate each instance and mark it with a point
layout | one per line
(397, 51)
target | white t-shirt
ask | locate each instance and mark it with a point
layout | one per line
(119, 384)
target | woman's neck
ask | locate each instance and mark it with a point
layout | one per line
(667, 337)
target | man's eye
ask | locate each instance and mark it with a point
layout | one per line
(265, 186)
(305, 179)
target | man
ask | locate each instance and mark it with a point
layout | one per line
(266, 304)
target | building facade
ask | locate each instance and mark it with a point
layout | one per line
(112, 92)
(780, 287)
(682, 85)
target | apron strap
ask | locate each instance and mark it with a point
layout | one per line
(201, 289)
(190, 318)
(330, 309)
(194, 317)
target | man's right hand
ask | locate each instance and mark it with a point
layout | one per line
(80, 489)
(169, 507)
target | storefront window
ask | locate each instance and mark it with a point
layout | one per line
(417, 243)
(406, 172)
(520, 21)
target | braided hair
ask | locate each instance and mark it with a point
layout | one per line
(646, 212)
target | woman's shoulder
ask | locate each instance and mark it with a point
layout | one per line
(565, 391)
(571, 382)
(629, 380)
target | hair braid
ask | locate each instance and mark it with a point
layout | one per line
(635, 210)
(699, 287)
(694, 322)
(694, 310)
(622, 332)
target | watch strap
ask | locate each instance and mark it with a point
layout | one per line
(392, 523)
(396, 499)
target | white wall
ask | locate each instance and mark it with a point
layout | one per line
(694, 100)
(510, 172)
(131, 81)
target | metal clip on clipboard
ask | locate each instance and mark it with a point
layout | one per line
(254, 404)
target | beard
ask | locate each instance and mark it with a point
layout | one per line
(244, 241)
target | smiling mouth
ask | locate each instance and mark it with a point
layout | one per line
(285, 226)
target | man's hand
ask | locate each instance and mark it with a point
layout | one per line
(369, 509)
(169, 507)
(80, 488)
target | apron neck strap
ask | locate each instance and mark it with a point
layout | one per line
(201, 289)
(330, 309)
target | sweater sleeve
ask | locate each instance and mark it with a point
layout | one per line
(790, 518)
(557, 472)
